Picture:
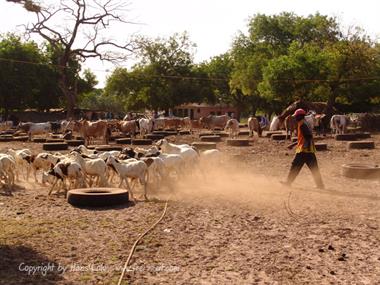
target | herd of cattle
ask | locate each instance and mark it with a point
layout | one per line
(102, 129)
(338, 123)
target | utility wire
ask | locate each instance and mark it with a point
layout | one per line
(294, 80)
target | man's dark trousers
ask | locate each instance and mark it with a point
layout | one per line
(311, 161)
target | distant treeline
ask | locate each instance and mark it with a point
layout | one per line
(280, 59)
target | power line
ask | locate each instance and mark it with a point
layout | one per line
(369, 78)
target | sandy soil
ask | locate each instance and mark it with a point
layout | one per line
(232, 224)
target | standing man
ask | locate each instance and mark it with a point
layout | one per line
(305, 151)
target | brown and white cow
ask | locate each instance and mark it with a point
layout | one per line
(173, 123)
(92, 130)
(129, 127)
(290, 126)
(254, 126)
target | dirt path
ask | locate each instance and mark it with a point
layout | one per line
(233, 224)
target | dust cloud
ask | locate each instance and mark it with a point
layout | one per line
(230, 181)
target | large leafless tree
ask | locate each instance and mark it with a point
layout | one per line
(77, 30)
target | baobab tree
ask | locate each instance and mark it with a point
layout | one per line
(76, 30)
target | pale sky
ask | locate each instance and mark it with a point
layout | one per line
(211, 24)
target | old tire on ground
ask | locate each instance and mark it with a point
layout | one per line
(361, 145)
(346, 137)
(113, 138)
(141, 142)
(123, 141)
(211, 139)
(204, 145)
(97, 197)
(21, 139)
(171, 133)
(75, 142)
(222, 134)
(206, 134)
(244, 133)
(161, 133)
(8, 132)
(22, 134)
(56, 136)
(363, 135)
(361, 171)
(184, 133)
(55, 146)
(270, 133)
(279, 137)
(108, 148)
(55, 140)
(6, 138)
(321, 146)
(154, 137)
(39, 140)
(237, 142)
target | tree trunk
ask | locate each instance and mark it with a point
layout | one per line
(331, 101)
(69, 95)
(70, 107)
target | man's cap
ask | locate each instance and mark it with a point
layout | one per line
(299, 112)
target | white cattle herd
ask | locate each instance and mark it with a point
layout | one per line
(338, 123)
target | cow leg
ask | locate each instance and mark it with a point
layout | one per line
(144, 182)
(129, 189)
(52, 186)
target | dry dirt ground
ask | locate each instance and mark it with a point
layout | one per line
(232, 224)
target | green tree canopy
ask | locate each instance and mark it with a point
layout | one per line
(163, 78)
(27, 77)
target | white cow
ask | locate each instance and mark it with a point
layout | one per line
(274, 124)
(35, 128)
(145, 126)
(338, 124)
(232, 126)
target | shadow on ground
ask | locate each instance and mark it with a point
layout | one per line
(15, 262)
